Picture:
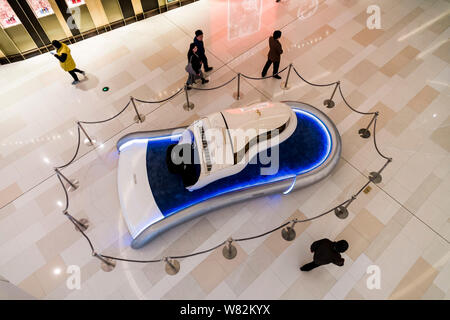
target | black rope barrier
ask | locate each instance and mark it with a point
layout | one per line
(131, 260)
(263, 234)
(79, 226)
(197, 253)
(76, 151)
(375, 142)
(65, 193)
(353, 109)
(161, 101)
(322, 214)
(76, 224)
(266, 77)
(109, 119)
(314, 84)
(218, 87)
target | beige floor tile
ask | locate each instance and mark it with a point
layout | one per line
(186, 289)
(399, 25)
(440, 137)
(9, 193)
(336, 59)
(357, 242)
(367, 36)
(310, 285)
(442, 52)
(209, 274)
(11, 126)
(52, 274)
(384, 238)
(58, 239)
(402, 216)
(32, 286)
(108, 58)
(241, 278)
(354, 295)
(416, 282)
(361, 72)
(423, 99)
(426, 188)
(401, 121)
(398, 62)
(260, 259)
(433, 293)
(367, 225)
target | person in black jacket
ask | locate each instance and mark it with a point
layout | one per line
(274, 55)
(198, 40)
(196, 62)
(325, 252)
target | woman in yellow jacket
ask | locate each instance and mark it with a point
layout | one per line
(66, 60)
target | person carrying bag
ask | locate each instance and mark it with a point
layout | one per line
(193, 67)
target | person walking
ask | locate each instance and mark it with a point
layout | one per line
(66, 61)
(198, 40)
(274, 56)
(325, 252)
(194, 66)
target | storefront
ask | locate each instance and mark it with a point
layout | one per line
(27, 27)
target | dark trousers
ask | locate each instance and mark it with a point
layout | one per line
(276, 65)
(74, 75)
(192, 77)
(204, 61)
(309, 266)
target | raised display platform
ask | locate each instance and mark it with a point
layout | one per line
(159, 201)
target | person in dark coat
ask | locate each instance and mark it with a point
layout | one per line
(325, 252)
(196, 63)
(274, 56)
(198, 40)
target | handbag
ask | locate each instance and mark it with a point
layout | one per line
(189, 68)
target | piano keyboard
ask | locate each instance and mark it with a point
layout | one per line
(205, 148)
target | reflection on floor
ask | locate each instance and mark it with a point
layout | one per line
(402, 225)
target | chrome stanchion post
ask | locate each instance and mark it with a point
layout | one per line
(88, 141)
(188, 105)
(329, 103)
(139, 118)
(288, 233)
(73, 184)
(83, 224)
(285, 85)
(376, 177)
(364, 132)
(238, 95)
(342, 212)
(107, 264)
(229, 251)
(172, 266)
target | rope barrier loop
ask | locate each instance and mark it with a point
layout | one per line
(229, 250)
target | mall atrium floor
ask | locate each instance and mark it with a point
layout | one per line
(402, 225)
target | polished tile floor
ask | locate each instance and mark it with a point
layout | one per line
(401, 226)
